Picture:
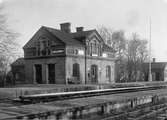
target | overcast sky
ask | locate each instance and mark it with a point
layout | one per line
(26, 17)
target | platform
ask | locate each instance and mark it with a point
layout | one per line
(30, 89)
(65, 109)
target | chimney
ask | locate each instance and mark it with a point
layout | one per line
(154, 60)
(79, 29)
(65, 27)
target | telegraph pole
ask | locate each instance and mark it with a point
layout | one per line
(86, 64)
(150, 75)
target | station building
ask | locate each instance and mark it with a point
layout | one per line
(158, 71)
(54, 56)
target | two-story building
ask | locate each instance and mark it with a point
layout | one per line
(55, 56)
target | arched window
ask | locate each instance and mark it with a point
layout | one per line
(76, 70)
(108, 72)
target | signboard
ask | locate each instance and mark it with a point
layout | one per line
(57, 51)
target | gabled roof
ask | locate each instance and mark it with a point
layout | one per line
(31, 43)
(85, 34)
(70, 38)
(18, 62)
(64, 37)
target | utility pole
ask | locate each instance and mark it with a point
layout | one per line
(150, 75)
(85, 63)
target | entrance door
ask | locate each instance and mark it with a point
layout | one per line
(94, 74)
(76, 74)
(108, 73)
(38, 73)
(51, 73)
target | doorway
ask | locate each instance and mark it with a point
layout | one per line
(76, 74)
(94, 74)
(38, 73)
(51, 73)
(108, 73)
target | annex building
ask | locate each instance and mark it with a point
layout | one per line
(158, 70)
(55, 56)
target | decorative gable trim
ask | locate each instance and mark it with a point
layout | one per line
(95, 35)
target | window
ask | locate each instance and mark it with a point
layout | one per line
(76, 70)
(99, 50)
(43, 46)
(94, 48)
(91, 47)
(17, 76)
(38, 48)
(88, 49)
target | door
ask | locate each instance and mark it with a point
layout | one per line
(94, 74)
(51, 73)
(108, 73)
(38, 73)
(76, 74)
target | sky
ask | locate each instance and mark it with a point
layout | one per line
(132, 16)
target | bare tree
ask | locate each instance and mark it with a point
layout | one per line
(116, 40)
(130, 54)
(8, 45)
(106, 34)
(136, 55)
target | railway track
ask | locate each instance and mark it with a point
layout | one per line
(80, 94)
(8, 103)
(144, 112)
(91, 108)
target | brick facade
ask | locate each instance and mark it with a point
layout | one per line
(59, 69)
(60, 57)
